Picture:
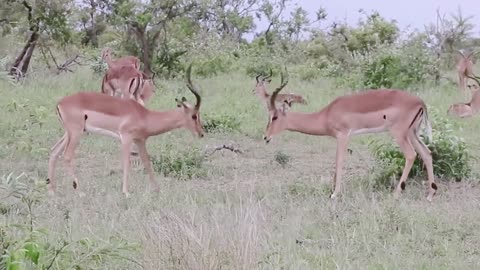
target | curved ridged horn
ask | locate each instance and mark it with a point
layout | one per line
(192, 88)
(269, 76)
(282, 85)
(475, 78)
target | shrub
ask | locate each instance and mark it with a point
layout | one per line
(451, 158)
(220, 123)
(401, 65)
(213, 66)
(282, 158)
(261, 65)
(168, 63)
(182, 165)
(309, 73)
(24, 246)
(98, 66)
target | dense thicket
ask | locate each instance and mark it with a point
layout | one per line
(222, 35)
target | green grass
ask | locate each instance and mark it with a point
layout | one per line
(245, 211)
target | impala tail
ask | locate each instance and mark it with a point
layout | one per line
(427, 125)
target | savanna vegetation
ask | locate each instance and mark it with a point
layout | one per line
(228, 201)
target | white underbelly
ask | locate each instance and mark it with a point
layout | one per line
(101, 131)
(368, 130)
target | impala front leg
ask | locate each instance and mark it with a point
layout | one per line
(126, 147)
(147, 163)
(73, 140)
(342, 143)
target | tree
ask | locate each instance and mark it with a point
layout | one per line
(149, 21)
(230, 18)
(92, 20)
(43, 17)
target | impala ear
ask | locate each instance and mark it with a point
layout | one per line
(285, 106)
(181, 102)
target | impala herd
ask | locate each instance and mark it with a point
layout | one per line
(126, 118)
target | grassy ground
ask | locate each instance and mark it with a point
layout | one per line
(244, 211)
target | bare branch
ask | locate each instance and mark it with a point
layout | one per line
(225, 147)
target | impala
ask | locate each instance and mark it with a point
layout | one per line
(463, 110)
(128, 82)
(371, 111)
(286, 100)
(122, 61)
(123, 119)
(465, 69)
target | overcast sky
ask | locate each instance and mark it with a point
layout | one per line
(413, 13)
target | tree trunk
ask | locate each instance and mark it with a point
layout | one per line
(147, 60)
(142, 37)
(20, 66)
(94, 37)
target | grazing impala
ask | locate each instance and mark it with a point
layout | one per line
(463, 110)
(128, 82)
(123, 119)
(122, 61)
(465, 69)
(371, 111)
(285, 100)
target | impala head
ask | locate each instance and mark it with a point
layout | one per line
(106, 53)
(460, 110)
(192, 115)
(261, 81)
(473, 87)
(277, 121)
(148, 88)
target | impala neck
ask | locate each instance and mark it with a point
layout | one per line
(308, 123)
(262, 93)
(160, 122)
(108, 59)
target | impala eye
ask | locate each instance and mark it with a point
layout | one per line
(194, 117)
(274, 118)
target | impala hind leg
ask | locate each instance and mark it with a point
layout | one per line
(461, 82)
(55, 152)
(410, 154)
(342, 143)
(73, 141)
(426, 156)
(147, 163)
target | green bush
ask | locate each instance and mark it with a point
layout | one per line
(403, 65)
(220, 123)
(167, 62)
(213, 66)
(182, 165)
(261, 66)
(23, 245)
(309, 73)
(282, 158)
(451, 158)
(395, 67)
(98, 66)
